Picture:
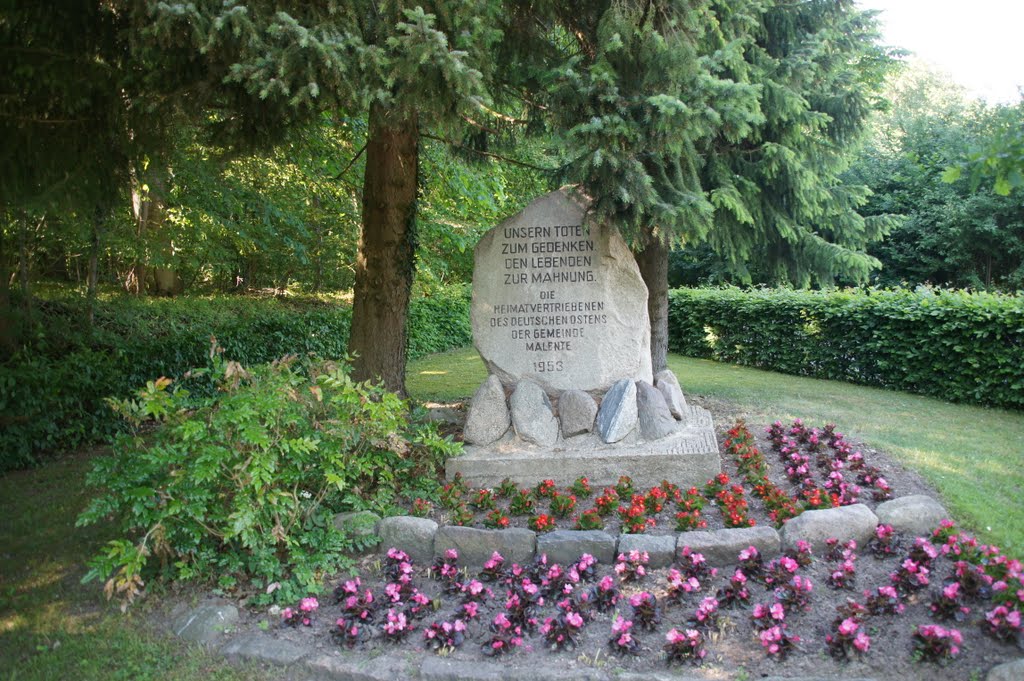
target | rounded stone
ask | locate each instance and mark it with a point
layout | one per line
(360, 526)
(531, 414)
(488, 416)
(855, 522)
(576, 411)
(655, 420)
(205, 623)
(668, 384)
(1008, 671)
(413, 535)
(617, 415)
(915, 515)
(559, 301)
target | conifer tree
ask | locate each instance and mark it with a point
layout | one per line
(725, 122)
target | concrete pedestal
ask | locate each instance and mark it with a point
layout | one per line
(689, 456)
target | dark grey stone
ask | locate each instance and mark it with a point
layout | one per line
(655, 420)
(264, 648)
(566, 546)
(475, 546)
(415, 536)
(855, 522)
(531, 414)
(205, 623)
(488, 416)
(618, 415)
(722, 546)
(915, 515)
(668, 384)
(661, 549)
(576, 411)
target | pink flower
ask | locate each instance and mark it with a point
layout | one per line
(848, 626)
(451, 554)
(574, 619)
(777, 611)
(861, 642)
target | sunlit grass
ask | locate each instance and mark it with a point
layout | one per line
(974, 456)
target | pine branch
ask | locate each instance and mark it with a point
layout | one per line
(489, 154)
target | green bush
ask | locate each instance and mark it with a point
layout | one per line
(240, 487)
(52, 393)
(955, 345)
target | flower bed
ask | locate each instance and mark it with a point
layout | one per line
(895, 606)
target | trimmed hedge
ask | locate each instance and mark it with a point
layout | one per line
(52, 395)
(954, 345)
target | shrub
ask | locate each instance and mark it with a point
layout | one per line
(241, 485)
(52, 391)
(955, 345)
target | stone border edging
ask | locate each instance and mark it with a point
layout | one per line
(424, 540)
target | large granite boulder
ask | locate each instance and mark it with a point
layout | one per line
(559, 301)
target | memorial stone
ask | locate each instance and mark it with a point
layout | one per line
(559, 301)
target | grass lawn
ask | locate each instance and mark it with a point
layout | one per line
(972, 455)
(51, 626)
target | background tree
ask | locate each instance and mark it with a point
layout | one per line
(726, 123)
(958, 233)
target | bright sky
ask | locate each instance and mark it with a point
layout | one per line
(978, 42)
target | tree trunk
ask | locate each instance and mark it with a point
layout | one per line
(7, 340)
(653, 263)
(386, 260)
(148, 206)
(23, 269)
(94, 260)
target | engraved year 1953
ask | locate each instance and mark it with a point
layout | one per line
(548, 366)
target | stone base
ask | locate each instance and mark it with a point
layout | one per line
(689, 456)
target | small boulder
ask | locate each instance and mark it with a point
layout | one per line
(205, 623)
(488, 416)
(668, 384)
(360, 526)
(722, 547)
(415, 536)
(655, 419)
(566, 546)
(915, 515)
(855, 522)
(661, 549)
(618, 414)
(1008, 671)
(531, 414)
(576, 410)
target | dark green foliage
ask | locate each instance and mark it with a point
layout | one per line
(52, 393)
(950, 233)
(240, 487)
(954, 345)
